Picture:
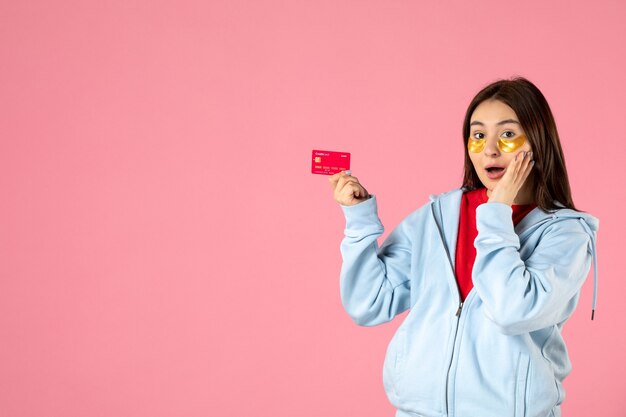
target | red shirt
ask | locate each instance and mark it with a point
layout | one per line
(465, 250)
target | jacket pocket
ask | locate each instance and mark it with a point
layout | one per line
(521, 384)
(394, 361)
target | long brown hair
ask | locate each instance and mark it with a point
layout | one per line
(530, 106)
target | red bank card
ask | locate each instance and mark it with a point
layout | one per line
(329, 162)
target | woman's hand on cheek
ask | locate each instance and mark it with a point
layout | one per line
(513, 179)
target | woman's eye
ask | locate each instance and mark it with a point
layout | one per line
(508, 135)
(477, 135)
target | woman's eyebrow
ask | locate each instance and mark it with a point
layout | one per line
(502, 122)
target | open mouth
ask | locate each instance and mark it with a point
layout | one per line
(494, 172)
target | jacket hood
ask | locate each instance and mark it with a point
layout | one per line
(590, 224)
(537, 217)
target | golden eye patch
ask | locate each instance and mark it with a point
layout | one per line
(505, 145)
(511, 145)
(476, 145)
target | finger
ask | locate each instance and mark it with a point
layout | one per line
(359, 192)
(344, 179)
(363, 192)
(339, 180)
(519, 160)
(509, 172)
(343, 188)
(528, 167)
(524, 171)
(351, 192)
(346, 183)
(333, 179)
(524, 166)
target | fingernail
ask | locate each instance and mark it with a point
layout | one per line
(348, 172)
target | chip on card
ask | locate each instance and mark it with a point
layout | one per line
(329, 162)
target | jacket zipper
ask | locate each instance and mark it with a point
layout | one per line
(456, 331)
(459, 309)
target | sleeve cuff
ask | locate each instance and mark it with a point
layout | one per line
(494, 217)
(362, 215)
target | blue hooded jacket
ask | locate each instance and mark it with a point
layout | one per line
(500, 353)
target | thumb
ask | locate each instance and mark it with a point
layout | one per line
(334, 179)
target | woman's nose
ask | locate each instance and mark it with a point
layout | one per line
(491, 147)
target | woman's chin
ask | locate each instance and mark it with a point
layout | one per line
(489, 183)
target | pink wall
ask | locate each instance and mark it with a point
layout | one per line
(164, 250)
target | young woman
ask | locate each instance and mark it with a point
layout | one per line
(490, 271)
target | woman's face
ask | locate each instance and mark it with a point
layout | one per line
(496, 137)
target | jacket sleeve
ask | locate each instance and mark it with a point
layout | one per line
(374, 281)
(523, 296)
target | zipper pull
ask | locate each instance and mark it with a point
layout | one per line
(458, 312)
